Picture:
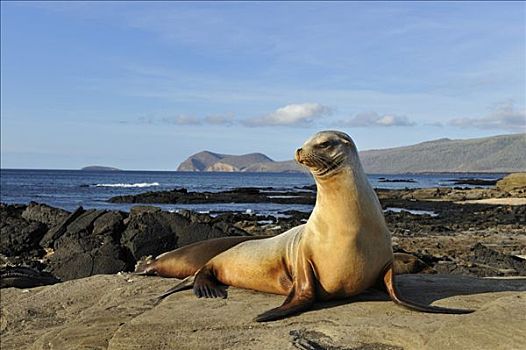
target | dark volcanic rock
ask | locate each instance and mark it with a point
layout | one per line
(45, 214)
(18, 236)
(499, 263)
(452, 268)
(149, 233)
(88, 242)
(476, 182)
(238, 195)
(89, 245)
(83, 224)
(383, 179)
(57, 231)
(110, 223)
(223, 222)
(155, 232)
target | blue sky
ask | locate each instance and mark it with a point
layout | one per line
(141, 85)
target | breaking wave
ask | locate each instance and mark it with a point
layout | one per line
(140, 184)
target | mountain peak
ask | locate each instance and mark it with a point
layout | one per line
(211, 161)
(503, 153)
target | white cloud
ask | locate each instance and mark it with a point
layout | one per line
(181, 119)
(291, 115)
(435, 124)
(374, 119)
(219, 120)
(503, 116)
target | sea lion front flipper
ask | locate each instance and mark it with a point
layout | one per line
(300, 298)
(389, 281)
(206, 285)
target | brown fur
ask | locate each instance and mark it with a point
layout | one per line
(342, 250)
(187, 260)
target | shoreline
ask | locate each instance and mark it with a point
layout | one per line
(67, 190)
(467, 256)
(447, 235)
(503, 173)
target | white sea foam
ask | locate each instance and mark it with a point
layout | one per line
(412, 211)
(265, 222)
(140, 184)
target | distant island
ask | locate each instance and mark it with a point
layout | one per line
(504, 153)
(99, 168)
(253, 162)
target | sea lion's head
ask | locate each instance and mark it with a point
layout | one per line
(327, 153)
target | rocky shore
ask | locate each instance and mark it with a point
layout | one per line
(440, 226)
(82, 243)
(456, 241)
(238, 195)
(509, 188)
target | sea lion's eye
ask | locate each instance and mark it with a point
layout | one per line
(325, 144)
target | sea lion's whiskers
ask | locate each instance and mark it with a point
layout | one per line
(334, 164)
(312, 159)
(322, 163)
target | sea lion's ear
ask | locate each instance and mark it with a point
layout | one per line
(346, 140)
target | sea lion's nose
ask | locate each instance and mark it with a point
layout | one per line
(298, 154)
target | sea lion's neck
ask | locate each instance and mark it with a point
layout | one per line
(343, 189)
(343, 198)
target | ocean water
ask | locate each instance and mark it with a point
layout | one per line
(69, 189)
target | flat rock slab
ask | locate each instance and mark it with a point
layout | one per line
(118, 312)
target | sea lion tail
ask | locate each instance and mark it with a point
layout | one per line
(144, 266)
(187, 283)
(395, 296)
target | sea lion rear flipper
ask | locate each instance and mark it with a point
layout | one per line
(395, 296)
(300, 298)
(292, 305)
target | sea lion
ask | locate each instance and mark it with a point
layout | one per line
(187, 260)
(404, 263)
(342, 250)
